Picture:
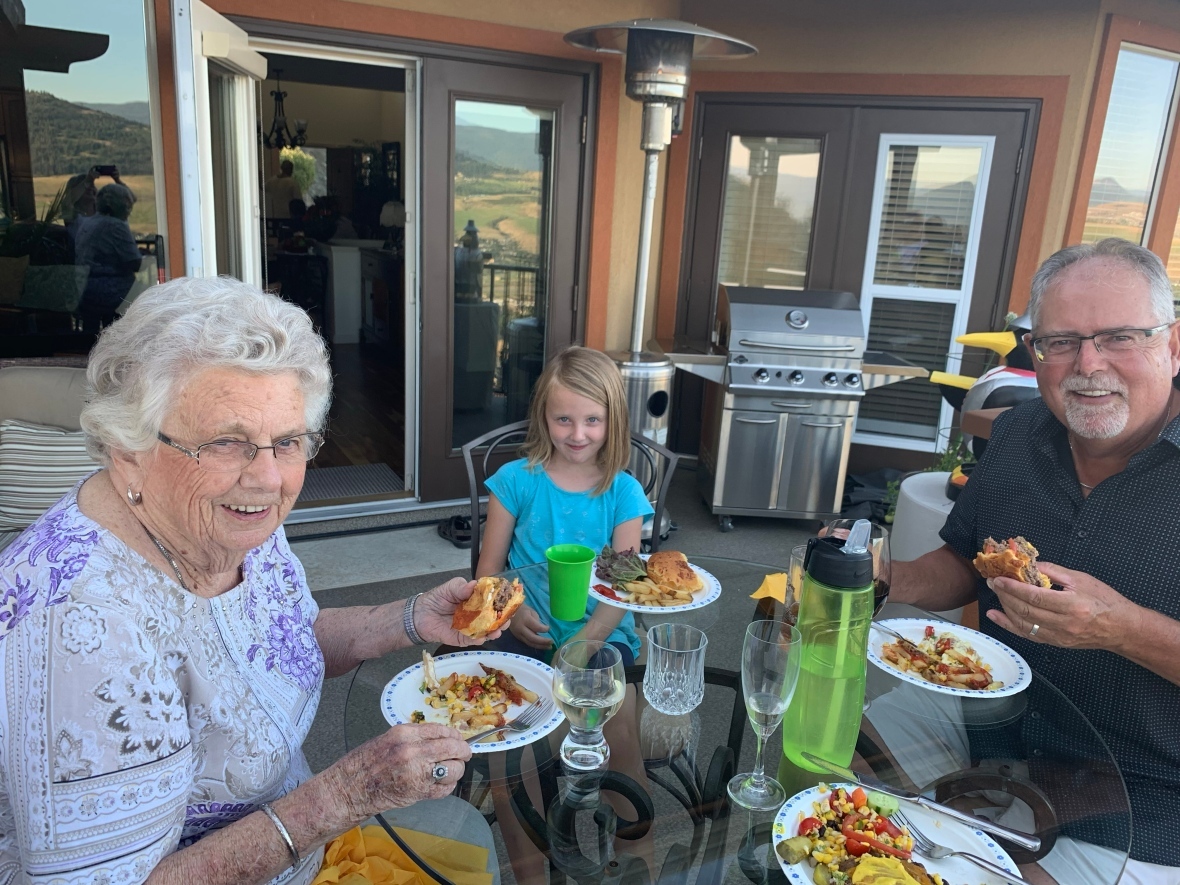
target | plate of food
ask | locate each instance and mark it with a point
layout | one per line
(472, 691)
(948, 658)
(871, 847)
(658, 583)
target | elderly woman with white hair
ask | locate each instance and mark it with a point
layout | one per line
(161, 652)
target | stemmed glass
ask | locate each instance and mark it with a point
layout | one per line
(879, 547)
(589, 686)
(770, 671)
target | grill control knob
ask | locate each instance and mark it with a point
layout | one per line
(762, 376)
(852, 380)
(795, 377)
(830, 380)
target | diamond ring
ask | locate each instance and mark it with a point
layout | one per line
(439, 772)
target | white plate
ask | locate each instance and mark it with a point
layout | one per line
(700, 598)
(943, 830)
(403, 695)
(1007, 666)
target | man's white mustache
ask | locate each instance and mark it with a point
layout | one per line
(1081, 385)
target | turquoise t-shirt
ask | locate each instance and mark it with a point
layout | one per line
(547, 515)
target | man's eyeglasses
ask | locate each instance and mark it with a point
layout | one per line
(1115, 344)
(234, 454)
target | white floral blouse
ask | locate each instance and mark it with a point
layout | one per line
(136, 717)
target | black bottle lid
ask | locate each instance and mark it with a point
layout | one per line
(827, 563)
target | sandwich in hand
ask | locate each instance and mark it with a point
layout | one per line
(670, 568)
(1015, 558)
(492, 602)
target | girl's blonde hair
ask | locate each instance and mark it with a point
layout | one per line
(592, 374)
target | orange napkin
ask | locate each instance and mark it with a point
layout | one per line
(369, 857)
(774, 586)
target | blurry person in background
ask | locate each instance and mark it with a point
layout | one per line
(105, 245)
(281, 190)
(81, 199)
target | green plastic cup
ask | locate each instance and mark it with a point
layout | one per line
(570, 567)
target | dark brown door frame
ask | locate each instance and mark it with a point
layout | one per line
(716, 101)
(843, 268)
(441, 471)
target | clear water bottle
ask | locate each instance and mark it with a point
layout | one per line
(835, 610)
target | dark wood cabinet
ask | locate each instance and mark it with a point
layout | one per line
(383, 304)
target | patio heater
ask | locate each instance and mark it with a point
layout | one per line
(659, 55)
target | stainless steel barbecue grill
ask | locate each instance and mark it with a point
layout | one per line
(789, 371)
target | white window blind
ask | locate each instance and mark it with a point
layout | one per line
(769, 203)
(919, 332)
(919, 270)
(1134, 136)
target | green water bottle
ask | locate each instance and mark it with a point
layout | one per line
(835, 609)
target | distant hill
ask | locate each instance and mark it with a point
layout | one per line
(135, 111)
(1108, 190)
(67, 138)
(511, 150)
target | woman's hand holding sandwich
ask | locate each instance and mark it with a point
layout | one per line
(435, 611)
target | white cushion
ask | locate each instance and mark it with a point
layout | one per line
(38, 465)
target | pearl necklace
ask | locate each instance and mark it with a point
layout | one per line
(1163, 427)
(171, 561)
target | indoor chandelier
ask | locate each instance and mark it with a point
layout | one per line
(280, 136)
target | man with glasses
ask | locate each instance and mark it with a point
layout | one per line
(1089, 474)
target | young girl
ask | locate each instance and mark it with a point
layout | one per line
(569, 488)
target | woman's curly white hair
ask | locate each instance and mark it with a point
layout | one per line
(176, 330)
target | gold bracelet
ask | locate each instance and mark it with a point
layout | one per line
(290, 843)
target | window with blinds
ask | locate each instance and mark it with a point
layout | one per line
(770, 192)
(1134, 136)
(926, 215)
(918, 331)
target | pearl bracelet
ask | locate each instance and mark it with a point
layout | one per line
(290, 843)
(408, 621)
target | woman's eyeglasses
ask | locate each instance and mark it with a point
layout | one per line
(1115, 344)
(234, 454)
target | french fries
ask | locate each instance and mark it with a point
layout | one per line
(647, 592)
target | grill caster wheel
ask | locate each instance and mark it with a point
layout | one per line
(725, 523)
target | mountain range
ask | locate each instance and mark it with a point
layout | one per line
(67, 138)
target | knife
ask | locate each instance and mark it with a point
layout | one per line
(1032, 843)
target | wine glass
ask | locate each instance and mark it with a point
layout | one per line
(770, 671)
(589, 686)
(879, 547)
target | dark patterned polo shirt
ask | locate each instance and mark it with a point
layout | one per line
(1127, 535)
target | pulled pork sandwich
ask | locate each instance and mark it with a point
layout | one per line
(489, 607)
(1015, 558)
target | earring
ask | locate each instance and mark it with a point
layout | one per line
(134, 498)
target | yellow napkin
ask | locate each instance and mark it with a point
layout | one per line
(774, 586)
(370, 857)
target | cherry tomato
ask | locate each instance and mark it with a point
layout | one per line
(808, 825)
(928, 632)
(856, 848)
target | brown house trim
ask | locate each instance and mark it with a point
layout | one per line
(168, 137)
(1120, 30)
(1050, 90)
(437, 29)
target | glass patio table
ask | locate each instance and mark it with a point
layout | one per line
(1031, 757)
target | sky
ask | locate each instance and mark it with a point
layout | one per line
(508, 117)
(116, 77)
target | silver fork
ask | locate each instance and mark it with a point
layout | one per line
(533, 715)
(927, 847)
